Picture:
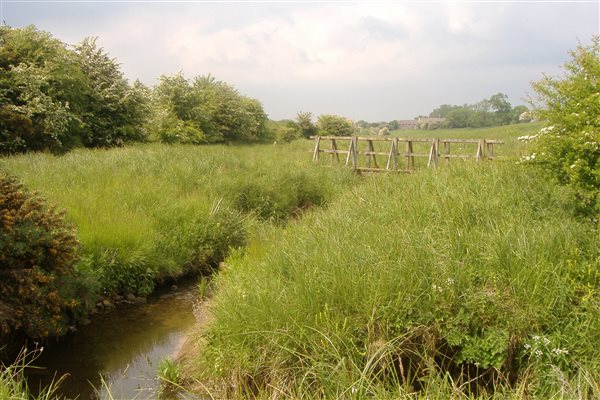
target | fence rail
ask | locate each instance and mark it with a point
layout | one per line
(484, 149)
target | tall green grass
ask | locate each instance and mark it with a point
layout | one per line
(471, 280)
(148, 212)
(13, 382)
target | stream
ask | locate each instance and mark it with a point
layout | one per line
(122, 347)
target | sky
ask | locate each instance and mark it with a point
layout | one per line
(376, 61)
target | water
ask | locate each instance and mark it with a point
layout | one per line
(124, 347)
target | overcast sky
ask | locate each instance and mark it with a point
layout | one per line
(373, 61)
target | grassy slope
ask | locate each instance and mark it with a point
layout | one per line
(469, 270)
(148, 211)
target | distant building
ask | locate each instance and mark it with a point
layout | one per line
(407, 124)
(430, 122)
(421, 123)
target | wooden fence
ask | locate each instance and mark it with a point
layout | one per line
(484, 149)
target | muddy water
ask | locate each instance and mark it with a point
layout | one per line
(124, 347)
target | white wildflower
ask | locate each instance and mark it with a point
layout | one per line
(560, 352)
(538, 353)
(527, 346)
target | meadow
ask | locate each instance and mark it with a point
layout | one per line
(147, 213)
(473, 280)
(470, 280)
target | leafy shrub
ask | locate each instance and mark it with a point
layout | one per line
(333, 125)
(39, 287)
(569, 147)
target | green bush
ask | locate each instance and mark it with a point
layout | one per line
(333, 125)
(40, 291)
(569, 147)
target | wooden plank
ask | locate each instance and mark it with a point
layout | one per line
(490, 150)
(316, 151)
(447, 151)
(410, 160)
(349, 152)
(388, 165)
(334, 148)
(355, 152)
(433, 153)
(460, 156)
(459, 140)
(373, 153)
(334, 137)
(334, 151)
(479, 154)
(416, 154)
(414, 140)
(375, 138)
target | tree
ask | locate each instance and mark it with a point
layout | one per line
(333, 125)
(443, 111)
(502, 108)
(459, 117)
(113, 112)
(205, 110)
(39, 81)
(569, 146)
(54, 97)
(305, 125)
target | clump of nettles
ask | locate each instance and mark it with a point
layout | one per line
(38, 250)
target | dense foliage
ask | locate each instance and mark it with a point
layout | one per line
(53, 97)
(569, 147)
(56, 97)
(204, 110)
(39, 288)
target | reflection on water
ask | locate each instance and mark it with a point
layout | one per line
(124, 346)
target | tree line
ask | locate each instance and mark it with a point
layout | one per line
(495, 111)
(55, 97)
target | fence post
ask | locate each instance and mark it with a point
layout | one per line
(317, 149)
(479, 155)
(334, 155)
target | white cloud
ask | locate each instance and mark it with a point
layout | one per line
(336, 55)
